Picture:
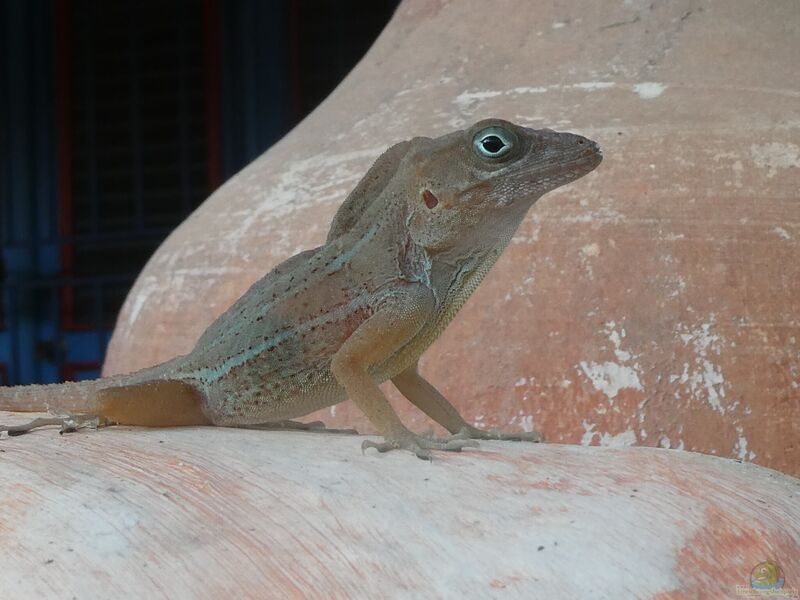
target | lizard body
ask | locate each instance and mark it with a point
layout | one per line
(404, 252)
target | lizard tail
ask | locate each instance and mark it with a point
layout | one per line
(144, 398)
(71, 396)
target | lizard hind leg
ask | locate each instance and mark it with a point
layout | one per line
(69, 423)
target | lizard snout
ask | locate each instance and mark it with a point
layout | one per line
(565, 140)
(586, 148)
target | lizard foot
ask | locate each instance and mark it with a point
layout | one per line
(69, 424)
(473, 433)
(315, 426)
(419, 445)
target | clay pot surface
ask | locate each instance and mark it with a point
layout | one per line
(214, 512)
(653, 302)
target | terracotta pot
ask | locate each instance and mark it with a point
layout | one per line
(653, 302)
(214, 512)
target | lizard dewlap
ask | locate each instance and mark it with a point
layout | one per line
(405, 250)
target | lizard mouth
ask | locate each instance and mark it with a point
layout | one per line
(574, 167)
(584, 162)
(591, 152)
(591, 157)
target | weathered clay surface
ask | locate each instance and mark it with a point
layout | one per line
(213, 513)
(653, 302)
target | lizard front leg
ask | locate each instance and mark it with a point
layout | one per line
(430, 401)
(398, 319)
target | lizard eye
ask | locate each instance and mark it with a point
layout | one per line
(492, 142)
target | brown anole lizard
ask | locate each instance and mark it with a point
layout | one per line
(404, 252)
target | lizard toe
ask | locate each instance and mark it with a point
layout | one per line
(379, 446)
(496, 434)
(69, 423)
(419, 445)
(386, 446)
(449, 444)
(13, 430)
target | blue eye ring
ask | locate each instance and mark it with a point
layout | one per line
(492, 142)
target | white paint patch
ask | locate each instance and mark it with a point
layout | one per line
(710, 378)
(705, 378)
(470, 99)
(626, 438)
(466, 98)
(781, 233)
(527, 423)
(588, 433)
(599, 215)
(615, 337)
(588, 252)
(528, 90)
(591, 250)
(740, 448)
(678, 284)
(610, 377)
(775, 155)
(649, 90)
(594, 85)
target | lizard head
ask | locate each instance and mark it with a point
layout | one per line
(484, 179)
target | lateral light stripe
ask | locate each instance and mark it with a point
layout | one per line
(215, 373)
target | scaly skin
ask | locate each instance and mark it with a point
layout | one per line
(405, 251)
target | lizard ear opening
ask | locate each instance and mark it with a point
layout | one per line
(430, 200)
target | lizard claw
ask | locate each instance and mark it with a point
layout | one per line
(419, 445)
(421, 453)
(379, 446)
(71, 423)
